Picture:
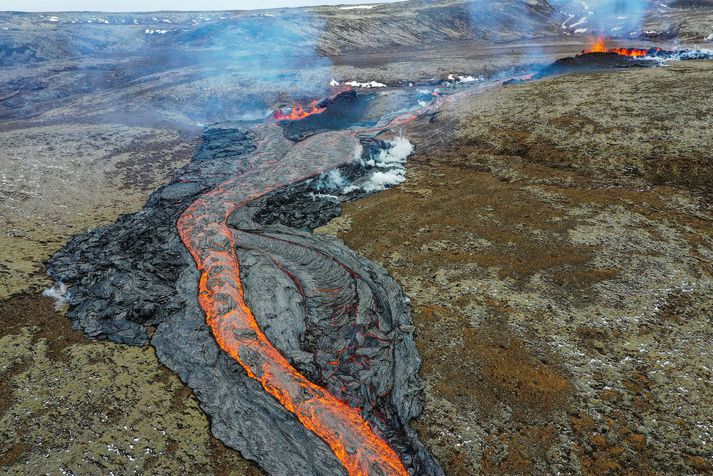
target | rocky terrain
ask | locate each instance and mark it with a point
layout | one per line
(611, 265)
(557, 250)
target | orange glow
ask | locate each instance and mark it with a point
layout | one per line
(633, 52)
(299, 111)
(203, 229)
(600, 46)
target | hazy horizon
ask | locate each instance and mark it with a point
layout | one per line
(144, 6)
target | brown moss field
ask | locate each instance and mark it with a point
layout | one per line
(68, 403)
(555, 239)
(557, 247)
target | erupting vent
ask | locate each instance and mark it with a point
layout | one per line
(298, 111)
(600, 46)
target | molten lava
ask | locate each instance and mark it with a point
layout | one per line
(600, 46)
(204, 230)
(298, 111)
(633, 52)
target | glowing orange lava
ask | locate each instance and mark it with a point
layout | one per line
(600, 46)
(299, 111)
(204, 230)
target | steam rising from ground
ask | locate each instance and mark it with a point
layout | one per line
(389, 167)
(534, 18)
(58, 292)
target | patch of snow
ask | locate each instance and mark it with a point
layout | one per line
(370, 84)
(464, 79)
(581, 21)
(358, 7)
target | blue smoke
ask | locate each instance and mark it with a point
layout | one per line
(610, 17)
(516, 20)
(177, 67)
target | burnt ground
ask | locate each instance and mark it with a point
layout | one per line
(557, 248)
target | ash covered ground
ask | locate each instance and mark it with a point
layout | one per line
(572, 338)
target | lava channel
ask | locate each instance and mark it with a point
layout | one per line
(204, 231)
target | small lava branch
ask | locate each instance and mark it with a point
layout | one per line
(204, 230)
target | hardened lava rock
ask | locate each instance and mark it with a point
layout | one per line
(337, 317)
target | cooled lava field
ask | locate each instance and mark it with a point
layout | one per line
(426, 238)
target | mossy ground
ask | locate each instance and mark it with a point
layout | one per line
(558, 247)
(60, 180)
(68, 402)
(93, 407)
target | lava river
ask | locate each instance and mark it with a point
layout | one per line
(204, 230)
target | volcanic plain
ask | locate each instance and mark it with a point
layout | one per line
(557, 249)
(555, 238)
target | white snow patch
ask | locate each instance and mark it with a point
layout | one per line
(581, 21)
(358, 7)
(464, 79)
(370, 84)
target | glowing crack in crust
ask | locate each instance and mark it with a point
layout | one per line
(203, 229)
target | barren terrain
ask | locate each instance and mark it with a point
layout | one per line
(557, 248)
(554, 237)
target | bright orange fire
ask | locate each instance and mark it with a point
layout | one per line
(633, 52)
(600, 46)
(299, 111)
(203, 229)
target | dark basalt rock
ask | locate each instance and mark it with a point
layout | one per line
(592, 62)
(344, 110)
(123, 276)
(338, 318)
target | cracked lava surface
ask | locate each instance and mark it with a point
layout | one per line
(203, 229)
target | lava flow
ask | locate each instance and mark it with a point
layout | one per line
(204, 230)
(600, 46)
(298, 111)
